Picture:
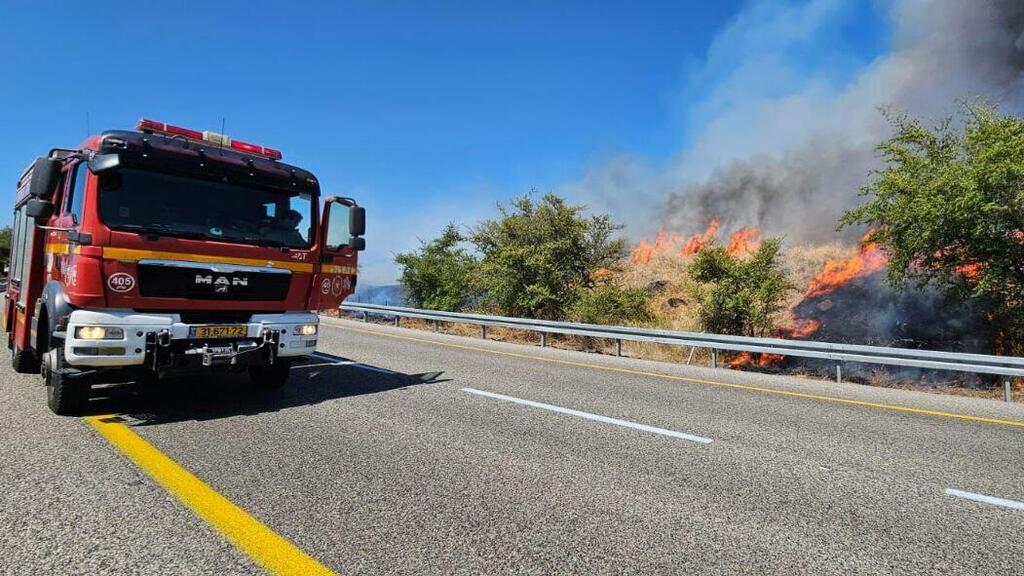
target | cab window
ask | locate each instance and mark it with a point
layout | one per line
(75, 197)
(337, 226)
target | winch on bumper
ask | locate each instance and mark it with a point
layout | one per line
(163, 343)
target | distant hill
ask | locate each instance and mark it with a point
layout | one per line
(388, 295)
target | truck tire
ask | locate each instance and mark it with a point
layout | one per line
(24, 361)
(64, 396)
(271, 377)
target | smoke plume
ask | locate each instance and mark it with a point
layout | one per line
(784, 148)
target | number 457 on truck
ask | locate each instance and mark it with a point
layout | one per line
(162, 251)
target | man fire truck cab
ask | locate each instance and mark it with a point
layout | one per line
(165, 251)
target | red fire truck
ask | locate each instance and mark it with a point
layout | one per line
(165, 251)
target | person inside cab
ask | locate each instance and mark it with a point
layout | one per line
(284, 228)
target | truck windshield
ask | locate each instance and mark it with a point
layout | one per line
(164, 204)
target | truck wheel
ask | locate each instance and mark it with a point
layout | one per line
(64, 396)
(24, 361)
(271, 377)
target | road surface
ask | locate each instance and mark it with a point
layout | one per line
(404, 452)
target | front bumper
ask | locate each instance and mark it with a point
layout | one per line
(163, 341)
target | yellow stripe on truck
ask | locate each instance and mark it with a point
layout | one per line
(62, 249)
(133, 255)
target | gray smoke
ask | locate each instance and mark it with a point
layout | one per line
(794, 166)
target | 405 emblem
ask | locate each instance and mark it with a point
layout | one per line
(121, 282)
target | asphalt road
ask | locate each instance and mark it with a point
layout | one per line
(405, 452)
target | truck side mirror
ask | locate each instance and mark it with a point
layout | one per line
(39, 210)
(101, 163)
(45, 176)
(357, 223)
(357, 243)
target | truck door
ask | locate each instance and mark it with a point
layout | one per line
(341, 228)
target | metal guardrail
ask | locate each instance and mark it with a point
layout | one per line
(929, 359)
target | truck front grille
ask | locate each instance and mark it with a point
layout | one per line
(198, 281)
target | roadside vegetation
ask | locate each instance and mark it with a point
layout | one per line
(948, 209)
(944, 220)
(540, 258)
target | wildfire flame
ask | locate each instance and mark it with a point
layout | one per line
(744, 241)
(664, 243)
(869, 260)
(970, 271)
(741, 243)
(698, 241)
(747, 358)
(804, 328)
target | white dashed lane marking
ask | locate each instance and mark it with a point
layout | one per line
(1002, 502)
(589, 416)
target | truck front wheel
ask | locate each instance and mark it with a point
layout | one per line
(271, 377)
(64, 396)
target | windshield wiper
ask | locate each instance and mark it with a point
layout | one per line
(165, 230)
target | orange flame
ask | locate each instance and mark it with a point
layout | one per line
(698, 241)
(744, 241)
(601, 275)
(804, 328)
(665, 243)
(970, 271)
(762, 360)
(837, 273)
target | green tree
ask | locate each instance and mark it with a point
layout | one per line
(538, 256)
(437, 275)
(739, 295)
(948, 209)
(5, 244)
(610, 304)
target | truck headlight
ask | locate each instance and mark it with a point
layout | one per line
(306, 329)
(99, 333)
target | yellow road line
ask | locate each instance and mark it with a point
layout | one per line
(274, 553)
(663, 376)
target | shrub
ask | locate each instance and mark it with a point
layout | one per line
(538, 256)
(738, 295)
(437, 275)
(610, 304)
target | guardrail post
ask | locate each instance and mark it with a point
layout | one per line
(543, 339)
(714, 358)
(483, 331)
(839, 372)
(435, 325)
(1007, 391)
(366, 316)
(398, 320)
(618, 346)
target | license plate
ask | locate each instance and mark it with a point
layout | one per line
(223, 331)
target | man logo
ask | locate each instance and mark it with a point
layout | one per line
(221, 283)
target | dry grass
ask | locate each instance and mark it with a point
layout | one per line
(666, 281)
(701, 357)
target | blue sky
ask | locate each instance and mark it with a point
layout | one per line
(426, 112)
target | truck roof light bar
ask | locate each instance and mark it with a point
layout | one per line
(256, 149)
(152, 126)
